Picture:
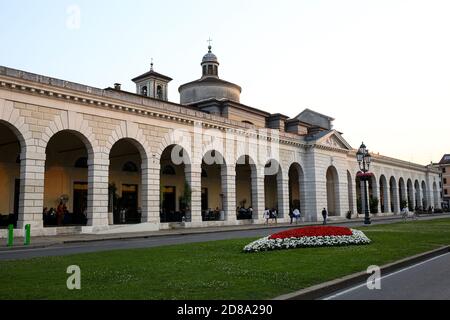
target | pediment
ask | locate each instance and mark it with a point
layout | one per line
(334, 140)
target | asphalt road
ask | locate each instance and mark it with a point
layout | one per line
(428, 280)
(107, 245)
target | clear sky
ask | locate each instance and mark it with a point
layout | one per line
(381, 68)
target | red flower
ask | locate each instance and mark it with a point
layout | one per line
(313, 232)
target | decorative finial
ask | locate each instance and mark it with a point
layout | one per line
(151, 65)
(209, 47)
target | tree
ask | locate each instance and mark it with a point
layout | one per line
(374, 204)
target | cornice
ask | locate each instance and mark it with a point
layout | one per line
(114, 104)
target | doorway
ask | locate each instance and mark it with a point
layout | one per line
(130, 203)
(168, 213)
(80, 200)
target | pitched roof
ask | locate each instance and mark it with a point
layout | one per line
(445, 159)
(314, 112)
(152, 73)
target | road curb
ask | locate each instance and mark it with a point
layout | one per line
(182, 232)
(187, 232)
(327, 288)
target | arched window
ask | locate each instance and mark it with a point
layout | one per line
(159, 92)
(215, 70)
(130, 166)
(144, 91)
(169, 171)
(81, 163)
(210, 69)
(204, 70)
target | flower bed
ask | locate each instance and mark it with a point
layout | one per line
(309, 237)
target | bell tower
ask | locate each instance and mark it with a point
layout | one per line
(210, 64)
(152, 84)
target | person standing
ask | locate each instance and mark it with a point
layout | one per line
(291, 215)
(267, 215)
(324, 215)
(297, 215)
(60, 214)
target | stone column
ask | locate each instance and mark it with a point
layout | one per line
(418, 197)
(355, 202)
(228, 177)
(150, 192)
(387, 200)
(342, 206)
(376, 193)
(363, 202)
(194, 179)
(98, 178)
(396, 200)
(258, 203)
(31, 201)
(413, 199)
(283, 195)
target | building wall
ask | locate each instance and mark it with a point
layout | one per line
(40, 111)
(240, 115)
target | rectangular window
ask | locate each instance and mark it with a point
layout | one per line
(443, 170)
(446, 192)
(445, 180)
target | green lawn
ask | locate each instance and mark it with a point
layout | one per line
(213, 270)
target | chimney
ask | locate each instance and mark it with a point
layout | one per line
(117, 86)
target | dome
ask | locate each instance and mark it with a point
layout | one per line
(210, 57)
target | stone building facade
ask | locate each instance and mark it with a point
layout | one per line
(135, 162)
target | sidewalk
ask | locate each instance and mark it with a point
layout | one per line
(42, 242)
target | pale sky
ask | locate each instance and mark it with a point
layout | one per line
(381, 68)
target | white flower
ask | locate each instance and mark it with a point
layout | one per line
(266, 244)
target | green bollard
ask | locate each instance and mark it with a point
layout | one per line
(10, 235)
(27, 235)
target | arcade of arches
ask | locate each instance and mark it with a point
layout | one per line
(108, 160)
(68, 166)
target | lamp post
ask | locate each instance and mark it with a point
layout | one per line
(364, 159)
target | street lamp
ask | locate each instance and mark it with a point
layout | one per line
(364, 159)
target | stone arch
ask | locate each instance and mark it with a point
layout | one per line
(274, 179)
(373, 192)
(418, 202)
(13, 166)
(425, 203)
(384, 194)
(76, 183)
(410, 194)
(74, 122)
(214, 186)
(171, 139)
(10, 117)
(218, 158)
(393, 195)
(295, 184)
(248, 186)
(402, 192)
(132, 186)
(435, 195)
(332, 187)
(131, 132)
(175, 187)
